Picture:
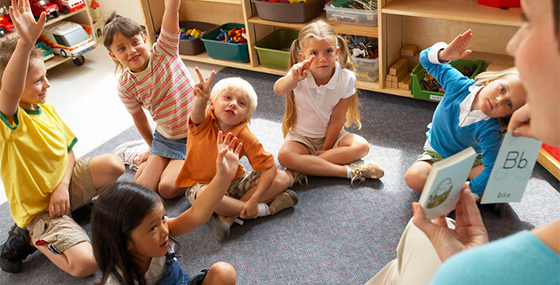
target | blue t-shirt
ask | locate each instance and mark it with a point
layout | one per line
(518, 259)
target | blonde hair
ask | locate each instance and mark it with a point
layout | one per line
(240, 86)
(487, 76)
(320, 30)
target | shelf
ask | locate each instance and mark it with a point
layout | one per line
(367, 31)
(456, 10)
(56, 60)
(549, 163)
(64, 16)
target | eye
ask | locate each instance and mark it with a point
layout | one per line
(509, 104)
(153, 228)
(120, 49)
(314, 53)
(329, 51)
(242, 103)
(502, 89)
(135, 42)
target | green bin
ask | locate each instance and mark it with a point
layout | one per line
(273, 50)
(224, 50)
(419, 72)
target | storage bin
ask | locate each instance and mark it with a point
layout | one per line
(336, 13)
(194, 46)
(419, 72)
(287, 12)
(273, 50)
(367, 69)
(224, 50)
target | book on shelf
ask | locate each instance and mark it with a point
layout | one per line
(444, 183)
(512, 170)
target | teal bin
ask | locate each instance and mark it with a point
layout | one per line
(419, 72)
(224, 50)
(274, 49)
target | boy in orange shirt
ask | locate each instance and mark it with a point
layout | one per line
(232, 103)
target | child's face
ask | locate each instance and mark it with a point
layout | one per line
(230, 109)
(36, 84)
(535, 48)
(150, 238)
(326, 54)
(500, 97)
(134, 53)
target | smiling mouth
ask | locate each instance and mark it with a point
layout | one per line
(165, 244)
(230, 112)
(491, 106)
(134, 58)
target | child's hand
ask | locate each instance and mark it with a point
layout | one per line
(27, 28)
(250, 210)
(457, 48)
(59, 202)
(143, 157)
(300, 70)
(202, 88)
(228, 158)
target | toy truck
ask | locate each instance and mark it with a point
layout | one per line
(5, 25)
(69, 6)
(69, 39)
(39, 6)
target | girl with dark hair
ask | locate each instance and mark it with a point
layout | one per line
(132, 237)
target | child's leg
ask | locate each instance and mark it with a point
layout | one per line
(77, 261)
(149, 173)
(294, 155)
(166, 185)
(417, 174)
(350, 148)
(105, 169)
(220, 273)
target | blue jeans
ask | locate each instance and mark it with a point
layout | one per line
(174, 273)
(164, 147)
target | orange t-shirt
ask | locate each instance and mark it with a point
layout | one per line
(202, 151)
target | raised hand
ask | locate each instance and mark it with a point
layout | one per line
(520, 122)
(27, 28)
(202, 88)
(228, 156)
(457, 49)
(300, 70)
(469, 230)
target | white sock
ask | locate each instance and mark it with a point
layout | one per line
(348, 172)
(263, 210)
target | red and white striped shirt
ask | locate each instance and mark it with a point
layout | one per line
(164, 88)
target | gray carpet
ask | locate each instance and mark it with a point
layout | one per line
(337, 234)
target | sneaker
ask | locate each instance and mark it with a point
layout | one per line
(283, 201)
(370, 170)
(129, 152)
(16, 248)
(296, 177)
(220, 225)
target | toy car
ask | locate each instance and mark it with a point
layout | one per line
(5, 25)
(39, 6)
(69, 6)
(69, 39)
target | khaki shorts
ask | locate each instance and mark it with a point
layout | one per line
(62, 233)
(313, 144)
(236, 189)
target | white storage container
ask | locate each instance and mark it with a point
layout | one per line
(367, 69)
(350, 16)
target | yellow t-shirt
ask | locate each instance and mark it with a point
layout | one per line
(34, 151)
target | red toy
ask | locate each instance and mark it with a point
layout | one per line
(39, 6)
(69, 6)
(5, 25)
(501, 3)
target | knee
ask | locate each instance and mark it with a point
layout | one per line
(285, 158)
(414, 179)
(222, 273)
(83, 268)
(167, 189)
(113, 164)
(363, 148)
(282, 179)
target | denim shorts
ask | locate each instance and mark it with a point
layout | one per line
(164, 147)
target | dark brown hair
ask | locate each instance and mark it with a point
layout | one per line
(119, 210)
